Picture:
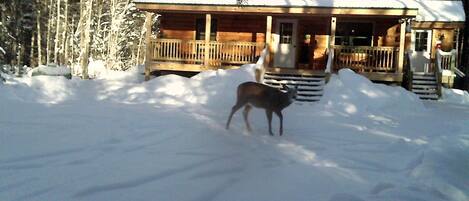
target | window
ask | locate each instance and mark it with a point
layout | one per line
(200, 29)
(421, 41)
(286, 33)
(354, 33)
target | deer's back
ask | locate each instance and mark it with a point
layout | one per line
(260, 95)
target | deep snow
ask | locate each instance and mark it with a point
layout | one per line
(118, 138)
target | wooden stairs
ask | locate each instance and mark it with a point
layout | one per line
(310, 86)
(425, 85)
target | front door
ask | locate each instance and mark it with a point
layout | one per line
(286, 41)
(421, 47)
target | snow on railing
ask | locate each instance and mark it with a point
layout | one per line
(447, 61)
(459, 72)
(330, 59)
(261, 65)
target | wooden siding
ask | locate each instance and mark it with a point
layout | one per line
(241, 28)
(446, 43)
(437, 25)
(229, 27)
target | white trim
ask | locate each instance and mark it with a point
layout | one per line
(429, 41)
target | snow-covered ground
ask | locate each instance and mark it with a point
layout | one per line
(118, 138)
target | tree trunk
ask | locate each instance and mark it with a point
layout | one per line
(57, 34)
(49, 27)
(39, 34)
(142, 36)
(98, 30)
(64, 35)
(85, 37)
(112, 48)
(31, 54)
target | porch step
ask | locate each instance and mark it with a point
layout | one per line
(429, 96)
(310, 87)
(295, 82)
(425, 91)
(425, 82)
(424, 74)
(289, 77)
(424, 77)
(419, 86)
(425, 85)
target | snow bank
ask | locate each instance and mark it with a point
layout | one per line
(350, 93)
(51, 70)
(212, 88)
(454, 96)
(41, 89)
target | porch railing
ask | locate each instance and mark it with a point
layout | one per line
(446, 60)
(365, 58)
(234, 52)
(175, 50)
(193, 52)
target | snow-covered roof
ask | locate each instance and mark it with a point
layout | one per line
(440, 11)
(428, 10)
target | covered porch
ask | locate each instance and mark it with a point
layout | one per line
(308, 40)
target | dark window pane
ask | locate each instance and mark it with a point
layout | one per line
(286, 33)
(421, 41)
(200, 29)
(354, 33)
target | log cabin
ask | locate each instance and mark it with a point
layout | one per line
(305, 41)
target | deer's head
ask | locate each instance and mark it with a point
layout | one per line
(292, 92)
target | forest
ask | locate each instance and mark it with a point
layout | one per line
(69, 32)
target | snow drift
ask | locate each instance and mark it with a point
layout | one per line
(118, 138)
(351, 93)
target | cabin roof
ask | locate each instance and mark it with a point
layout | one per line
(440, 11)
(428, 10)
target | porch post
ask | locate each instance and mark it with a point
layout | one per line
(400, 64)
(149, 48)
(208, 24)
(268, 39)
(333, 28)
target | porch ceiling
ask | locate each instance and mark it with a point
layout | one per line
(362, 10)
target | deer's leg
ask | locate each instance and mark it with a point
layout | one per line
(280, 116)
(233, 110)
(247, 108)
(269, 119)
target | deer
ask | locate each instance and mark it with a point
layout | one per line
(259, 95)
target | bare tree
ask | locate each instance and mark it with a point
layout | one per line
(49, 30)
(57, 33)
(85, 25)
(38, 31)
(64, 35)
